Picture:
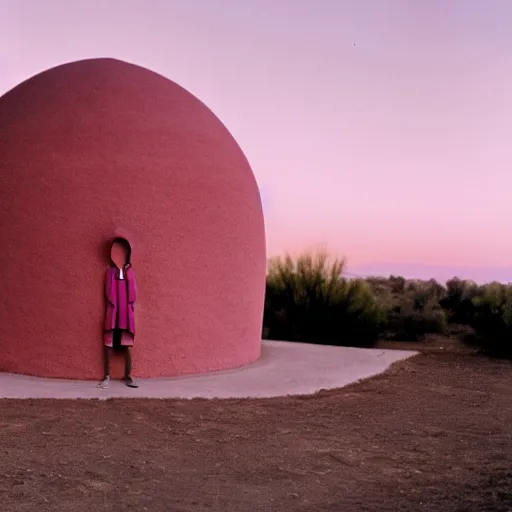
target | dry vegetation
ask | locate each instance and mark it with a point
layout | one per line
(308, 299)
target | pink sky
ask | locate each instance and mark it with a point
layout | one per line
(394, 150)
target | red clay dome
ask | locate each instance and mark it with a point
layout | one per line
(102, 147)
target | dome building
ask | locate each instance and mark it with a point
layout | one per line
(101, 148)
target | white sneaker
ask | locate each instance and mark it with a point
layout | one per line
(104, 383)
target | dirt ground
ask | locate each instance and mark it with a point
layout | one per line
(432, 434)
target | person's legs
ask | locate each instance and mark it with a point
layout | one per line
(127, 343)
(106, 361)
(107, 350)
(127, 362)
(128, 368)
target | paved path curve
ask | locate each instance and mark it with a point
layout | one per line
(284, 369)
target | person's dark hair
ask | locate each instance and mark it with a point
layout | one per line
(124, 242)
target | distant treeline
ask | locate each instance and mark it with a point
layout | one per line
(308, 299)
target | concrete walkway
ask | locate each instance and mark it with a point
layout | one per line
(284, 369)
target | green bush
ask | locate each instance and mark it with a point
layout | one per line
(492, 319)
(406, 322)
(308, 300)
(411, 308)
(458, 301)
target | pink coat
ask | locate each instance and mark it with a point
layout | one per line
(114, 306)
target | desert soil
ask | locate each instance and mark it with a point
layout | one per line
(432, 434)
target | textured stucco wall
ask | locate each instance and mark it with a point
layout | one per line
(101, 147)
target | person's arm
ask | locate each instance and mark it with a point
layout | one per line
(108, 287)
(132, 286)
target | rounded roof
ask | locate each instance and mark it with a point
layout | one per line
(96, 148)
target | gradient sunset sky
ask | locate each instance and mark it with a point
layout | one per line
(380, 130)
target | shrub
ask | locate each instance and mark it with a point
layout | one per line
(492, 319)
(411, 308)
(407, 322)
(308, 300)
(458, 301)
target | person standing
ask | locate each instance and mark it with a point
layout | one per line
(120, 296)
